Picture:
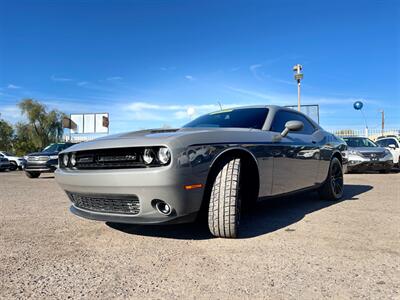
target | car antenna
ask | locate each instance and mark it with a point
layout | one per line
(220, 105)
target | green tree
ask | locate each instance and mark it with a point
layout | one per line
(24, 139)
(6, 135)
(46, 125)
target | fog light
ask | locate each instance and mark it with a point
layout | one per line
(163, 208)
(148, 156)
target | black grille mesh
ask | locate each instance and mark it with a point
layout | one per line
(373, 154)
(121, 204)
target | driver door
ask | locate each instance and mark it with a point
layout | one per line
(296, 156)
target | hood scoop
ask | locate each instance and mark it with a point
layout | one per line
(163, 130)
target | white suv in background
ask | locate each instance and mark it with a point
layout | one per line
(392, 143)
(15, 161)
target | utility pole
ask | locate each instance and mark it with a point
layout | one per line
(298, 76)
(383, 121)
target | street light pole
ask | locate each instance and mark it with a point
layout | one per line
(383, 121)
(298, 76)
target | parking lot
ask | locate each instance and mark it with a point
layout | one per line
(296, 247)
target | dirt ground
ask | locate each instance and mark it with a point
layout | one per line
(290, 248)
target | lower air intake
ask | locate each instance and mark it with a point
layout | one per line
(117, 204)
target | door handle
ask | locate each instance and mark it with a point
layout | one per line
(314, 142)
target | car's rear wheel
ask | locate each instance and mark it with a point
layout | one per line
(32, 174)
(332, 188)
(225, 205)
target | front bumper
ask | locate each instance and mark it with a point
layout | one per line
(42, 166)
(4, 166)
(148, 184)
(359, 163)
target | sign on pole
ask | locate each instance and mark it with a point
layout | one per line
(311, 110)
(89, 123)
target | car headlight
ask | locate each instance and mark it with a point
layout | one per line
(53, 156)
(65, 160)
(354, 152)
(148, 156)
(73, 159)
(164, 155)
(387, 152)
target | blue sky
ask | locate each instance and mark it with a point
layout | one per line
(148, 62)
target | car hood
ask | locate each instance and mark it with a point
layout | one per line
(175, 138)
(368, 149)
(14, 157)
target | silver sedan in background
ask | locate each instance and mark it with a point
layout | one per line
(365, 155)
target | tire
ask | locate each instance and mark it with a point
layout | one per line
(13, 166)
(32, 174)
(385, 171)
(332, 188)
(225, 205)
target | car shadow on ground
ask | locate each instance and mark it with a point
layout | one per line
(267, 216)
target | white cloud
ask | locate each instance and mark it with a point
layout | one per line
(11, 113)
(189, 77)
(82, 83)
(254, 70)
(172, 68)
(169, 112)
(114, 78)
(12, 86)
(61, 79)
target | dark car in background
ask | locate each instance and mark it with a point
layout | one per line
(364, 155)
(45, 161)
(4, 163)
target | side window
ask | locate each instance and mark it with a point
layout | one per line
(282, 116)
(387, 142)
(1, 155)
(382, 143)
(392, 142)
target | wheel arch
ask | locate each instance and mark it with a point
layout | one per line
(338, 155)
(249, 167)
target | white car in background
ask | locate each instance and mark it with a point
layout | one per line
(392, 143)
(15, 161)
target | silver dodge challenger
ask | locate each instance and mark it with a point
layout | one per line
(217, 164)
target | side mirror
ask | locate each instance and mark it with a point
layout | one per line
(292, 126)
(392, 146)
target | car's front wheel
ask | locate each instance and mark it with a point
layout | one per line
(225, 205)
(32, 174)
(13, 166)
(332, 188)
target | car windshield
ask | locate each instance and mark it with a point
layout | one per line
(359, 142)
(56, 147)
(236, 118)
(8, 154)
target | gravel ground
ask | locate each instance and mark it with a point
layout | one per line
(290, 248)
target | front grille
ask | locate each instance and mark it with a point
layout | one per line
(120, 204)
(38, 158)
(117, 158)
(373, 154)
